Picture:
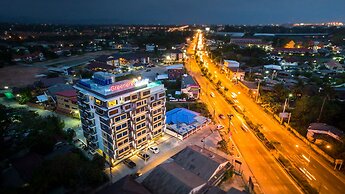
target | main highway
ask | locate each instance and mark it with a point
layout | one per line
(270, 177)
(317, 171)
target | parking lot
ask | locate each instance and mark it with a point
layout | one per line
(168, 146)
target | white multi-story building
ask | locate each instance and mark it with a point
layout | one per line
(120, 117)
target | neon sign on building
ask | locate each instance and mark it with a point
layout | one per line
(128, 84)
(122, 86)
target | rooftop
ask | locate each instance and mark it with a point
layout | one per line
(325, 127)
(173, 179)
(180, 115)
(67, 93)
(199, 161)
(126, 185)
(177, 66)
(188, 81)
(104, 84)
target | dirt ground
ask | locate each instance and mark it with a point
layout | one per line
(19, 75)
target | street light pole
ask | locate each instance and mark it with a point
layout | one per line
(323, 104)
(229, 116)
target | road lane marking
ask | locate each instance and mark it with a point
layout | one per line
(305, 173)
(309, 173)
(326, 187)
(307, 159)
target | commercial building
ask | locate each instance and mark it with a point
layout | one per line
(120, 117)
(175, 71)
(181, 122)
(192, 170)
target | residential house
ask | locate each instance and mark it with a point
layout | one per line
(190, 87)
(324, 129)
(66, 102)
(173, 56)
(335, 66)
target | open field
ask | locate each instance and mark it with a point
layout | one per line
(19, 75)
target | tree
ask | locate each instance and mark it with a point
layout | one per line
(219, 83)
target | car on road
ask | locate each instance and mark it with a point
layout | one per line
(129, 163)
(237, 109)
(154, 149)
(147, 70)
(137, 174)
(143, 156)
(220, 126)
(221, 116)
(244, 127)
(212, 95)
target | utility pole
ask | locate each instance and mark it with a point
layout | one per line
(285, 105)
(323, 104)
(258, 92)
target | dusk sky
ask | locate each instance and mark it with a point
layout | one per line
(172, 11)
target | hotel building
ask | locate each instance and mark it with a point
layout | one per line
(120, 117)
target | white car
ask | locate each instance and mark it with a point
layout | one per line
(154, 149)
(220, 126)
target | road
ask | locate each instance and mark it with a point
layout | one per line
(269, 175)
(319, 172)
(70, 61)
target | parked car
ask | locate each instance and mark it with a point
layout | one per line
(220, 126)
(154, 149)
(221, 116)
(143, 156)
(237, 109)
(212, 95)
(129, 163)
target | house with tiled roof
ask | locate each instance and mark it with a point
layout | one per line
(335, 66)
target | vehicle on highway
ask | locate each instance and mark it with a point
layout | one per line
(221, 116)
(233, 95)
(143, 156)
(237, 109)
(129, 163)
(137, 174)
(154, 149)
(220, 126)
(212, 95)
(244, 127)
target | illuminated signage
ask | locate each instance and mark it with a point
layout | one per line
(128, 84)
(122, 86)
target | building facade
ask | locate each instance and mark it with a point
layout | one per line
(119, 118)
(66, 102)
(175, 71)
